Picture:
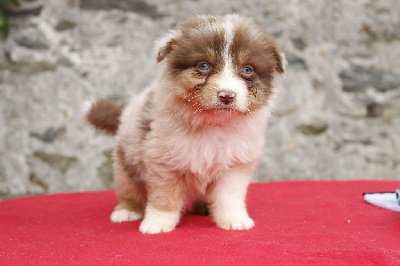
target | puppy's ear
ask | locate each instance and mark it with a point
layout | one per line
(163, 45)
(281, 62)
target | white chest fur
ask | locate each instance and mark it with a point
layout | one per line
(210, 150)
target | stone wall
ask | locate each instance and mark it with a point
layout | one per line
(336, 117)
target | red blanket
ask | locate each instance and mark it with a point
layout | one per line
(296, 223)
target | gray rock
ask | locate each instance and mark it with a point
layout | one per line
(34, 179)
(49, 135)
(296, 63)
(354, 139)
(299, 43)
(374, 110)
(137, 6)
(379, 158)
(33, 40)
(64, 25)
(28, 50)
(25, 8)
(314, 126)
(57, 161)
(361, 78)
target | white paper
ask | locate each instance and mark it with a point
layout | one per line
(384, 200)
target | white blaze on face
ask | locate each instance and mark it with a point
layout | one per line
(229, 79)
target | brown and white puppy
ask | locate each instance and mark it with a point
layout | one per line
(197, 131)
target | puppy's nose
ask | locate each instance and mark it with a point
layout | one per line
(226, 97)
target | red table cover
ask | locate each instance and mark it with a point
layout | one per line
(296, 223)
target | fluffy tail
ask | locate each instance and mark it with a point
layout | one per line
(104, 115)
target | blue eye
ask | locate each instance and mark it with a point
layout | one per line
(247, 70)
(203, 66)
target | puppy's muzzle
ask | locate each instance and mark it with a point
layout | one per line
(226, 97)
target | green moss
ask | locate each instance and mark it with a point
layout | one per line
(4, 23)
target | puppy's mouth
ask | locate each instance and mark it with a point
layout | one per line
(217, 109)
(223, 110)
(214, 115)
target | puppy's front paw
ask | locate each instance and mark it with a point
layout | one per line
(238, 222)
(150, 226)
(157, 221)
(122, 215)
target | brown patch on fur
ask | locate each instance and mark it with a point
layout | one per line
(146, 120)
(105, 115)
(261, 53)
(131, 190)
(132, 196)
(134, 171)
(166, 189)
(253, 44)
(127, 204)
(201, 43)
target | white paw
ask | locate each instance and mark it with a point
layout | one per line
(235, 223)
(149, 226)
(157, 221)
(124, 216)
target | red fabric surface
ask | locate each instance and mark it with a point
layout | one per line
(296, 223)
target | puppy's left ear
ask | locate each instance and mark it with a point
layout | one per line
(281, 62)
(164, 45)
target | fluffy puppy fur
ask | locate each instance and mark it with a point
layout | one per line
(197, 131)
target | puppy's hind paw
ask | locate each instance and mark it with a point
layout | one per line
(119, 216)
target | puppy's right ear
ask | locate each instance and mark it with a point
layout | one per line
(281, 61)
(164, 45)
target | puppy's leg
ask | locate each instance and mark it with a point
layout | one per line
(131, 195)
(165, 201)
(227, 197)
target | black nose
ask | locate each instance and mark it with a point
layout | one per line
(226, 97)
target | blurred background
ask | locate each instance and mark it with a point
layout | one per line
(337, 116)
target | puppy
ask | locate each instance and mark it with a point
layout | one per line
(197, 131)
